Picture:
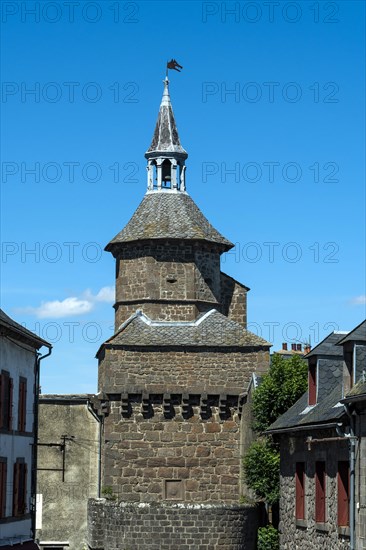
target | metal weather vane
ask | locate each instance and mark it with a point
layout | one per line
(173, 64)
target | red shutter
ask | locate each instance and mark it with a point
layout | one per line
(23, 502)
(320, 491)
(343, 493)
(300, 490)
(1, 401)
(3, 473)
(25, 406)
(16, 489)
(10, 423)
(22, 405)
(312, 384)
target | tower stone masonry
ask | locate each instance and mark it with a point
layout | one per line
(174, 374)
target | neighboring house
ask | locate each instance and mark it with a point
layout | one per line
(19, 383)
(296, 349)
(323, 450)
(68, 469)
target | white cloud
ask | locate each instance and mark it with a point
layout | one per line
(106, 294)
(359, 300)
(69, 307)
(65, 308)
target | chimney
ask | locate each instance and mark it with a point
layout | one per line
(284, 346)
(293, 347)
(298, 347)
(307, 348)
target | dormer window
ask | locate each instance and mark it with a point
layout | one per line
(312, 383)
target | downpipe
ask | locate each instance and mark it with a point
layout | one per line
(38, 360)
(352, 466)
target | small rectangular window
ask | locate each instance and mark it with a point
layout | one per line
(343, 493)
(320, 492)
(20, 488)
(312, 384)
(300, 490)
(22, 404)
(3, 474)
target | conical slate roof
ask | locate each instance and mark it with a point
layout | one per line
(167, 215)
(166, 138)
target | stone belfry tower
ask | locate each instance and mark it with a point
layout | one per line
(174, 374)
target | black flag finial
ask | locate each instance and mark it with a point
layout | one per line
(173, 64)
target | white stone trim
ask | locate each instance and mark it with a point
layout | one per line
(308, 408)
(152, 323)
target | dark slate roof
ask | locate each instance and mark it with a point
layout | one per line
(66, 396)
(328, 346)
(211, 329)
(30, 545)
(166, 138)
(357, 391)
(8, 323)
(71, 399)
(357, 334)
(168, 215)
(322, 413)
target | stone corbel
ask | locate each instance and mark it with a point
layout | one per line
(125, 405)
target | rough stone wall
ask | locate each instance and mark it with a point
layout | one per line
(211, 370)
(166, 272)
(306, 534)
(234, 300)
(161, 311)
(247, 436)
(172, 455)
(170, 527)
(64, 506)
(160, 429)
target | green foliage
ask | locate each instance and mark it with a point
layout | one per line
(284, 384)
(261, 470)
(268, 538)
(107, 492)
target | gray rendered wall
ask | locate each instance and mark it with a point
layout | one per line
(64, 507)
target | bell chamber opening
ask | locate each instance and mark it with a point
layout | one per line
(166, 174)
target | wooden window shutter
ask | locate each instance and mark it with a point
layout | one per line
(16, 489)
(300, 490)
(25, 406)
(23, 489)
(10, 417)
(312, 384)
(1, 400)
(343, 493)
(3, 479)
(22, 405)
(320, 492)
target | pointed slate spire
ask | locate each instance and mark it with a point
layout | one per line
(166, 138)
(166, 170)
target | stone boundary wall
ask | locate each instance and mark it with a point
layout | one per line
(156, 526)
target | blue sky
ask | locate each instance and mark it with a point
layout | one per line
(269, 106)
